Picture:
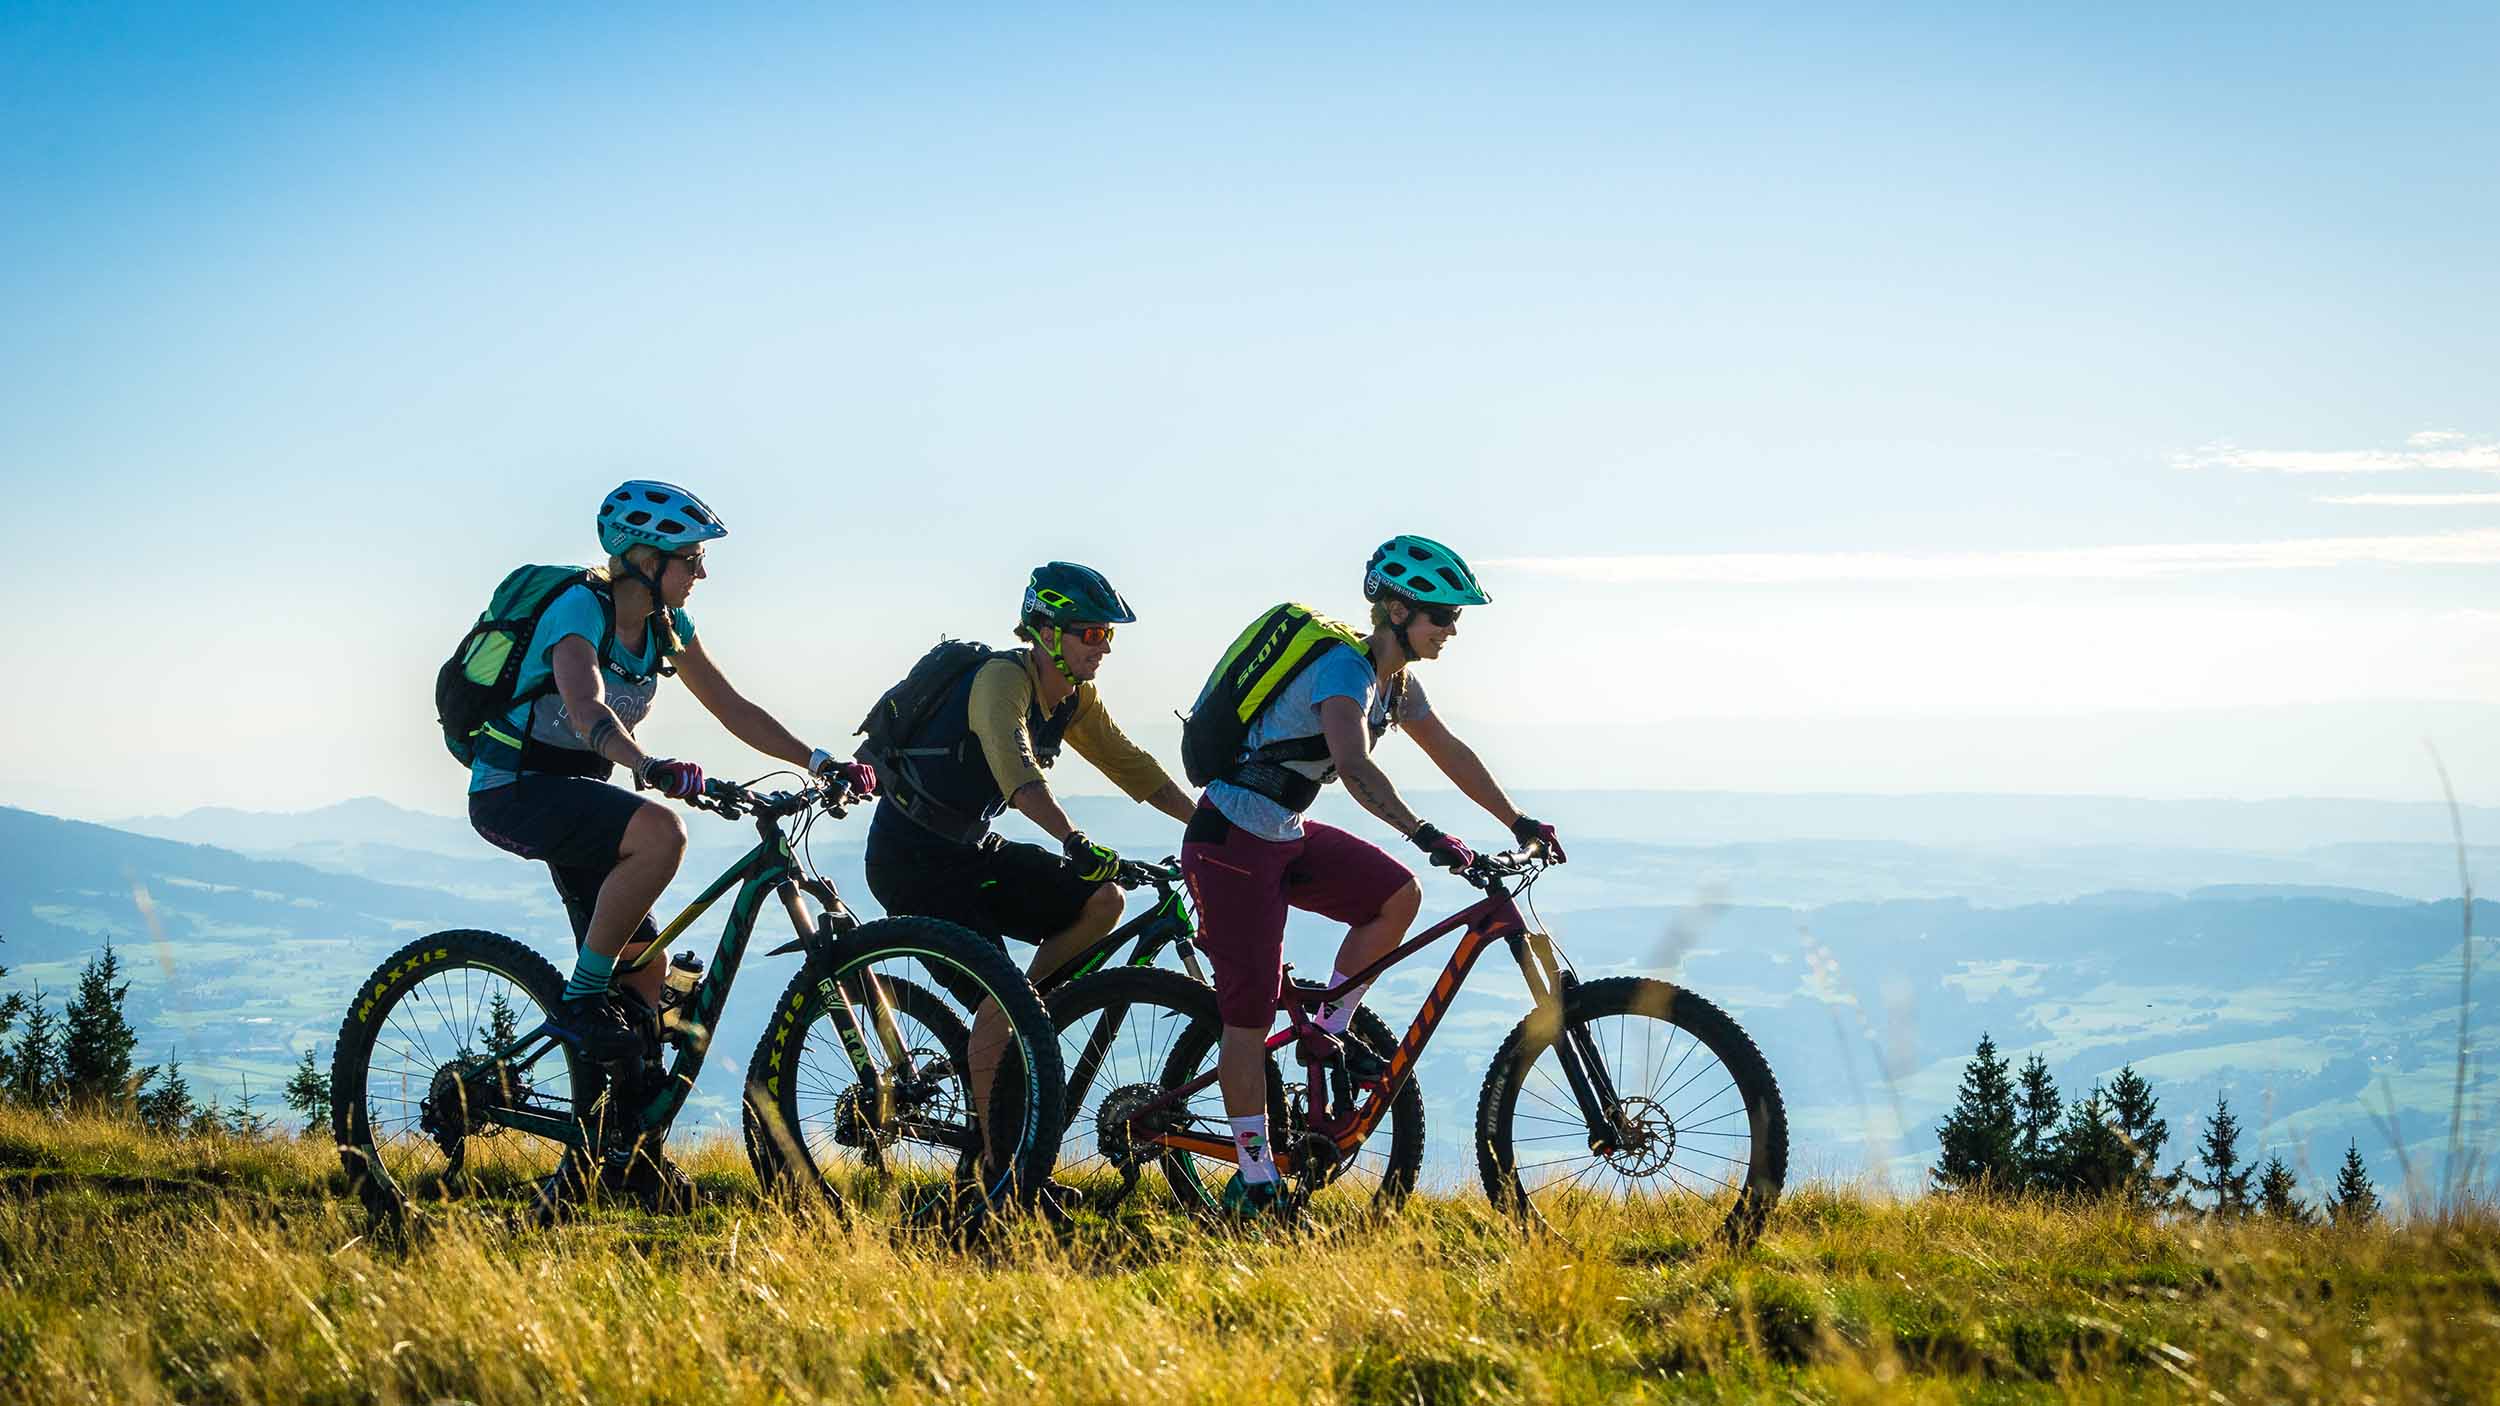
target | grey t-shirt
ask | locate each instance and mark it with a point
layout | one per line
(1340, 671)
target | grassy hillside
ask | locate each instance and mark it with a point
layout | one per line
(216, 1271)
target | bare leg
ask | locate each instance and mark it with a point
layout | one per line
(647, 858)
(988, 1042)
(1366, 943)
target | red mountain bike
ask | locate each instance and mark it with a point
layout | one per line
(1622, 1086)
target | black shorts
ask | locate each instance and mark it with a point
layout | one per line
(995, 888)
(572, 824)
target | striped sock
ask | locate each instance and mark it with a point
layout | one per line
(591, 971)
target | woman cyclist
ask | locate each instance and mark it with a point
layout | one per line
(1249, 854)
(539, 784)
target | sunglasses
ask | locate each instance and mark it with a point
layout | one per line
(1442, 615)
(1093, 635)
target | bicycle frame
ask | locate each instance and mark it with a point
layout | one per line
(1165, 924)
(770, 868)
(1493, 918)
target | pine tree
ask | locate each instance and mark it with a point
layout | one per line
(2133, 1107)
(2036, 1127)
(1975, 1143)
(96, 1038)
(2226, 1177)
(503, 1024)
(244, 1119)
(167, 1107)
(308, 1091)
(35, 1075)
(2355, 1202)
(2090, 1156)
(2278, 1193)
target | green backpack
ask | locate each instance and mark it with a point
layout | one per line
(474, 686)
(1270, 654)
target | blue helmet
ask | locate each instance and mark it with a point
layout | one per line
(645, 512)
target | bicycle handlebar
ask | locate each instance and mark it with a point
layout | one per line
(1527, 859)
(1137, 873)
(731, 801)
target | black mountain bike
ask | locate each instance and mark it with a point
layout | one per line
(447, 1081)
(1621, 1088)
(823, 1112)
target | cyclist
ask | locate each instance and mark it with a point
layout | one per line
(1249, 854)
(539, 784)
(986, 748)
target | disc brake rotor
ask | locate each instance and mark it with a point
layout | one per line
(1649, 1142)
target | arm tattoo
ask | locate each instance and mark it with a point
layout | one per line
(600, 734)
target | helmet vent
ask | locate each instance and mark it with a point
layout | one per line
(649, 496)
(698, 517)
(1393, 569)
(671, 526)
(1418, 553)
(1452, 577)
(637, 517)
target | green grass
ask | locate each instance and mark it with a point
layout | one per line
(133, 1269)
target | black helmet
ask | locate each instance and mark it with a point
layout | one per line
(1063, 593)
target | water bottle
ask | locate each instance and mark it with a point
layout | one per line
(685, 972)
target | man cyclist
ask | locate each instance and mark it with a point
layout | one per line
(1249, 854)
(986, 748)
(538, 785)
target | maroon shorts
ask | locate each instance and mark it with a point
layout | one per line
(1243, 884)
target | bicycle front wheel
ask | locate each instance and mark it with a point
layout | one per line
(902, 1105)
(431, 1069)
(1696, 1116)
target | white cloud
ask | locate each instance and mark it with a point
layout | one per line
(2412, 500)
(2474, 547)
(2432, 449)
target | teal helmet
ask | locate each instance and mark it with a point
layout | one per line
(645, 512)
(1063, 593)
(1423, 572)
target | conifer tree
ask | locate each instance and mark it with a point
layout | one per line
(1976, 1140)
(35, 1075)
(167, 1108)
(2036, 1127)
(308, 1091)
(96, 1038)
(2226, 1177)
(2278, 1193)
(2091, 1158)
(244, 1119)
(2355, 1202)
(2134, 1109)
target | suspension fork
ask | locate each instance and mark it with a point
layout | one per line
(1592, 1085)
(843, 1007)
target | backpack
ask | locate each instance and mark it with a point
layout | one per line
(1270, 654)
(900, 714)
(474, 686)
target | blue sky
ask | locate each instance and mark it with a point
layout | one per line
(1939, 399)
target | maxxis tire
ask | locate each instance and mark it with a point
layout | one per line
(800, 1006)
(351, 1058)
(960, 962)
(1766, 1115)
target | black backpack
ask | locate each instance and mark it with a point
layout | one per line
(902, 712)
(1261, 660)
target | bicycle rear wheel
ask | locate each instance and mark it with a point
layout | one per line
(427, 1054)
(812, 1110)
(1700, 1113)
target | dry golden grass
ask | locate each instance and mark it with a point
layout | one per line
(138, 1270)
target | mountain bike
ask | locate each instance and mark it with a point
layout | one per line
(448, 1082)
(1623, 1085)
(822, 1112)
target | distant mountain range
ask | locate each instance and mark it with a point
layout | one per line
(2316, 985)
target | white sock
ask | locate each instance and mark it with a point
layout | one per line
(1333, 1015)
(1250, 1148)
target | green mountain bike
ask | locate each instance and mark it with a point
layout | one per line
(448, 1082)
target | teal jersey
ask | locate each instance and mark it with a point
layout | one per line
(630, 681)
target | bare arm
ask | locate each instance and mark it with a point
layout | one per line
(1174, 802)
(745, 720)
(1462, 766)
(1034, 800)
(1350, 748)
(575, 665)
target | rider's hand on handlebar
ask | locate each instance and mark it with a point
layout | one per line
(1536, 832)
(858, 778)
(1445, 851)
(1094, 863)
(679, 781)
